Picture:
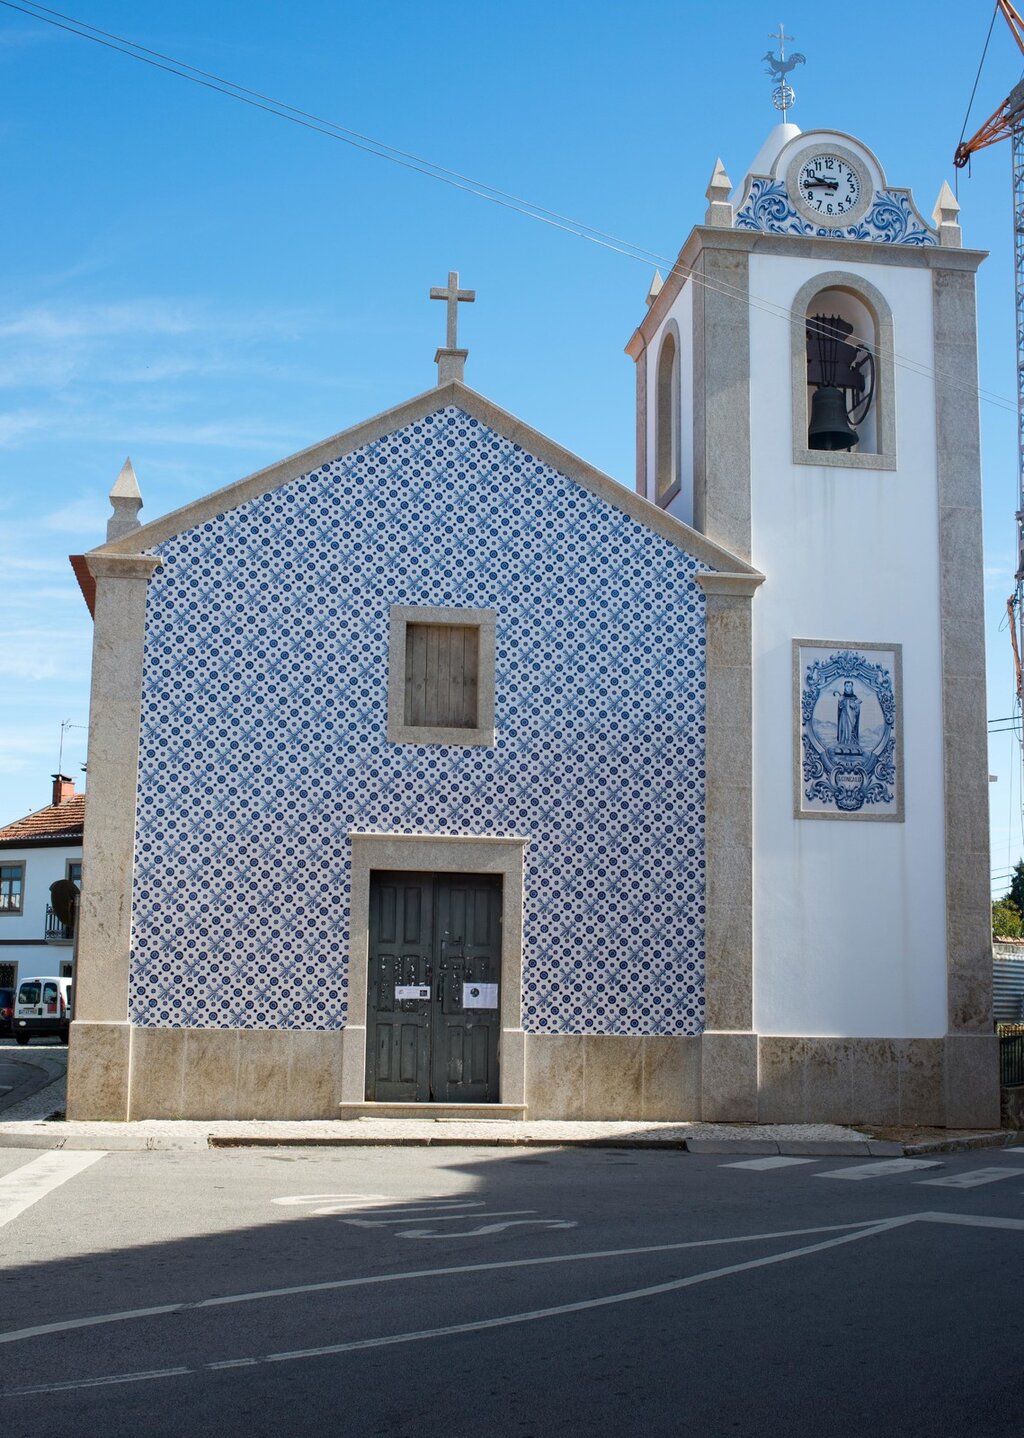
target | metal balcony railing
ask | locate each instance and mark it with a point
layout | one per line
(57, 932)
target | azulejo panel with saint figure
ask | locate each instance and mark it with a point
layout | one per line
(849, 761)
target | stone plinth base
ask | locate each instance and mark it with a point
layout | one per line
(950, 1082)
(117, 1072)
(612, 1076)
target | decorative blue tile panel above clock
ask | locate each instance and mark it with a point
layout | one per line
(264, 736)
(890, 218)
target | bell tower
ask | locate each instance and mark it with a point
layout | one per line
(807, 398)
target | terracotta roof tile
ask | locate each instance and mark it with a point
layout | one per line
(86, 583)
(56, 821)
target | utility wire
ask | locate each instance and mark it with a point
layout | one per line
(381, 150)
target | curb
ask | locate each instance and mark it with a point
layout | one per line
(1008, 1138)
(836, 1148)
(677, 1145)
(126, 1142)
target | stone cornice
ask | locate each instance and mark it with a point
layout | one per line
(833, 252)
(116, 565)
(739, 584)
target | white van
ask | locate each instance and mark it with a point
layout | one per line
(42, 1006)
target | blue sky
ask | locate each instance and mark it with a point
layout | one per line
(208, 289)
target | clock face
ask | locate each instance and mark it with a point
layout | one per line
(828, 186)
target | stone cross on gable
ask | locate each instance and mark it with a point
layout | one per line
(451, 361)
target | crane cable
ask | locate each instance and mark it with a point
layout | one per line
(974, 91)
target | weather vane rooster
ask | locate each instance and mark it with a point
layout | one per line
(778, 67)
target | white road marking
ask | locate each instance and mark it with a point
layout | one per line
(779, 1161)
(332, 1203)
(492, 1227)
(881, 1168)
(18, 1335)
(27, 1185)
(428, 1216)
(974, 1179)
(456, 1208)
(423, 1211)
(504, 1321)
(971, 1220)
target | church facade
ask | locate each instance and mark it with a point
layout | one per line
(433, 767)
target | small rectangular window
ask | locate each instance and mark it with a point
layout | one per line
(12, 888)
(441, 676)
(442, 669)
(74, 871)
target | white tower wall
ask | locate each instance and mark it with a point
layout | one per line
(849, 927)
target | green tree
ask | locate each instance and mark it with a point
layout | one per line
(1016, 894)
(1006, 920)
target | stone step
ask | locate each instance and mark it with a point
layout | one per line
(435, 1111)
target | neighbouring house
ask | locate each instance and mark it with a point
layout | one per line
(35, 852)
(431, 766)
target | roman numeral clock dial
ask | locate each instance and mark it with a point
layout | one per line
(828, 187)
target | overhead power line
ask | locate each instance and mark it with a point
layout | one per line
(481, 189)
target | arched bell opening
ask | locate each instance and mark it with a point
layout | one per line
(841, 346)
(667, 419)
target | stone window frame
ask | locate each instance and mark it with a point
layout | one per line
(885, 374)
(5, 910)
(484, 621)
(668, 426)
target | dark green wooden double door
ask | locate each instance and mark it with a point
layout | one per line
(434, 997)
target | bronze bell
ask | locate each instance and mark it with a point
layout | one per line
(830, 426)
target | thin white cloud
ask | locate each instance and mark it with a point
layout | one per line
(21, 424)
(82, 516)
(45, 652)
(24, 564)
(48, 324)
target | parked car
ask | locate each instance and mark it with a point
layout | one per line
(6, 1011)
(42, 1006)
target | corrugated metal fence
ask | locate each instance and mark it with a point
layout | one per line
(1007, 986)
(1011, 1060)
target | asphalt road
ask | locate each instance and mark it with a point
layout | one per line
(466, 1291)
(25, 1069)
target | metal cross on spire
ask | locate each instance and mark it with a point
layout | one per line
(451, 361)
(783, 96)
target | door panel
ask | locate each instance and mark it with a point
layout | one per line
(441, 932)
(464, 1067)
(398, 1028)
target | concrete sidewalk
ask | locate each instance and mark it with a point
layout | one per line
(810, 1139)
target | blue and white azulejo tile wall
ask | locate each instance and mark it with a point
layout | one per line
(264, 736)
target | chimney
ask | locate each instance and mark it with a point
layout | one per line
(63, 788)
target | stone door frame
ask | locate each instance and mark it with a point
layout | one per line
(438, 854)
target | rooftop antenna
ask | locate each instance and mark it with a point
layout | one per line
(783, 96)
(65, 725)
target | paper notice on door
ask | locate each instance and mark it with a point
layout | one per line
(411, 991)
(479, 996)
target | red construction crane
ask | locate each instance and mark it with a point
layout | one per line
(1008, 120)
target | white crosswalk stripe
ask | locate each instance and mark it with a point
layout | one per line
(881, 1168)
(777, 1161)
(894, 1167)
(27, 1185)
(974, 1179)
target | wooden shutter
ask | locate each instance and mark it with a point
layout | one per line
(442, 668)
